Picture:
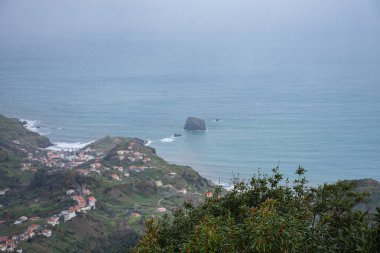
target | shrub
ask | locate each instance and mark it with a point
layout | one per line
(268, 214)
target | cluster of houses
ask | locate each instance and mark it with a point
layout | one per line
(83, 205)
(10, 244)
(58, 159)
(132, 156)
(128, 159)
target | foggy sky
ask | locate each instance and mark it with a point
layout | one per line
(268, 20)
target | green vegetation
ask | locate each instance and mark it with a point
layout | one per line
(372, 189)
(269, 215)
(261, 216)
(14, 130)
(122, 205)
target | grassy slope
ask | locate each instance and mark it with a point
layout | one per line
(13, 129)
(110, 227)
(11, 154)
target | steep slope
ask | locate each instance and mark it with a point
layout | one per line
(15, 143)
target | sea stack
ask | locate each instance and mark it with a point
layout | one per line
(195, 124)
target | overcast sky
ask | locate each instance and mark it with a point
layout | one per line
(271, 20)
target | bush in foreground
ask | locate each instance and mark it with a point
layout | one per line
(269, 215)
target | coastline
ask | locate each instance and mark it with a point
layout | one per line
(218, 173)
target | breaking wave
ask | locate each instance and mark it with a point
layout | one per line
(57, 146)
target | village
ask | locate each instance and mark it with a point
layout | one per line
(86, 162)
(84, 203)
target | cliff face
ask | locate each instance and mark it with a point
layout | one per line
(195, 124)
(13, 131)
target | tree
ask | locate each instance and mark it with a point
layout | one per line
(268, 215)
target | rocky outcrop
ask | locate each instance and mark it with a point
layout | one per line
(195, 124)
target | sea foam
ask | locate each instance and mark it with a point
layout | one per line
(168, 139)
(57, 146)
(35, 126)
(148, 142)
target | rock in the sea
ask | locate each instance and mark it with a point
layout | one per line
(195, 124)
(177, 135)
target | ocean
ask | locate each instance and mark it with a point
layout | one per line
(287, 104)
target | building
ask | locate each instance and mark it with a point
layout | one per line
(46, 232)
(2, 192)
(33, 227)
(53, 221)
(80, 200)
(115, 176)
(7, 246)
(27, 235)
(159, 183)
(147, 160)
(135, 214)
(161, 209)
(96, 165)
(183, 191)
(85, 191)
(208, 194)
(92, 201)
(23, 218)
(85, 208)
(68, 215)
(70, 192)
(3, 239)
(3, 247)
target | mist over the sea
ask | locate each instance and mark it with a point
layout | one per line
(295, 82)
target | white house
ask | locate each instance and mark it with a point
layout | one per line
(70, 192)
(53, 221)
(92, 201)
(68, 215)
(46, 232)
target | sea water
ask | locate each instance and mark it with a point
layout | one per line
(310, 104)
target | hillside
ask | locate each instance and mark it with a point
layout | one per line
(15, 144)
(98, 198)
(109, 187)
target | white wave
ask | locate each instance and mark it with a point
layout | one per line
(226, 186)
(148, 142)
(31, 125)
(57, 146)
(35, 126)
(169, 139)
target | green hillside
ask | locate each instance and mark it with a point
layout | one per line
(116, 184)
(128, 189)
